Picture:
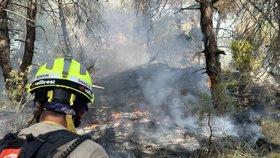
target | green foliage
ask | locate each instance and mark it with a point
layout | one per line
(235, 84)
(16, 90)
(242, 55)
(204, 99)
(207, 102)
(246, 61)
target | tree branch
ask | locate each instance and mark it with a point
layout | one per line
(211, 134)
(218, 52)
(16, 30)
(36, 65)
(198, 70)
(44, 32)
(19, 5)
(20, 40)
(7, 10)
(265, 16)
(193, 7)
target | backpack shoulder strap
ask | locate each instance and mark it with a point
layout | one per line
(10, 140)
(76, 143)
(11, 145)
(46, 144)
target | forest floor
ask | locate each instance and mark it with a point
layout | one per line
(129, 125)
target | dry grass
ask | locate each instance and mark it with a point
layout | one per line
(273, 155)
(241, 154)
(271, 130)
(237, 154)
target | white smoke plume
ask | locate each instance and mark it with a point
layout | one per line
(177, 47)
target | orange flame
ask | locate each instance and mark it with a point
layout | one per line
(94, 126)
(114, 121)
(140, 113)
(115, 114)
(209, 83)
(123, 118)
(129, 124)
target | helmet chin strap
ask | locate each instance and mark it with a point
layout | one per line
(68, 118)
(70, 123)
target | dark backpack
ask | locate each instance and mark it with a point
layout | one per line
(43, 146)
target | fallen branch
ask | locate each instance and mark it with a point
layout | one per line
(99, 87)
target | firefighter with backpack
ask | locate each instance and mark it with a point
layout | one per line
(62, 88)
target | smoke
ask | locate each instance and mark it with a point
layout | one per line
(129, 40)
(172, 96)
(123, 42)
(163, 95)
(171, 86)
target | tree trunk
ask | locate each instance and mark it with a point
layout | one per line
(64, 29)
(30, 36)
(29, 49)
(276, 56)
(5, 62)
(211, 52)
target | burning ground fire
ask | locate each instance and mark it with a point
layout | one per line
(116, 119)
(125, 132)
(138, 132)
(134, 115)
(137, 129)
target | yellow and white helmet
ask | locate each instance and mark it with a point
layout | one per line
(63, 73)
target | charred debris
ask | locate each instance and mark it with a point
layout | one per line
(136, 116)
